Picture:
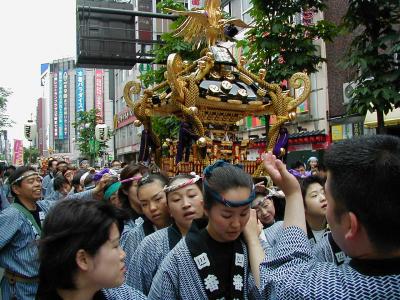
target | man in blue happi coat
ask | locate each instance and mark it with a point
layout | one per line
(20, 229)
(363, 214)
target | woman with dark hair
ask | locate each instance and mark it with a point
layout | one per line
(185, 203)
(153, 200)
(21, 226)
(127, 194)
(212, 260)
(315, 204)
(80, 256)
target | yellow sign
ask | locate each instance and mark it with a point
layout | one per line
(337, 132)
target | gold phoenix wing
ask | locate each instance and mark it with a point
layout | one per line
(205, 24)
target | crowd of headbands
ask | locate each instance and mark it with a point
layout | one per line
(131, 232)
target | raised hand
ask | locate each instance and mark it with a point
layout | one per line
(280, 175)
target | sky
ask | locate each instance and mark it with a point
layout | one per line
(31, 33)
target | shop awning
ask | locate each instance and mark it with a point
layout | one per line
(391, 119)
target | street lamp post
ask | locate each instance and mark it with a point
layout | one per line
(102, 135)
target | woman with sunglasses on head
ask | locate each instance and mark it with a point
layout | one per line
(212, 260)
(153, 200)
(185, 203)
(80, 256)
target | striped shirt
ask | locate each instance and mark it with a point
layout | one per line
(123, 292)
(322, 250)
(129, 225)
(18, 248)
(146, 260)
(294, 273)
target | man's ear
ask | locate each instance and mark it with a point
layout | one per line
(82, 260)
(16, 189)
(353, 226)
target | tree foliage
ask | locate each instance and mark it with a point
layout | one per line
(85, 127)
(282, 44)
(4, 118)
(31, 155)
(166, 127)
(374, 55)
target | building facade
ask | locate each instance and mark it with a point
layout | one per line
(72, 90)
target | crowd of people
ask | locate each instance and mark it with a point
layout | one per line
(319, 231)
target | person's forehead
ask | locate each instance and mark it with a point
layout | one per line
(222, 208)
(184, 189)
(314, 187)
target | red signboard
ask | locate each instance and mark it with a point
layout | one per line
(99, 95)
(125, 117)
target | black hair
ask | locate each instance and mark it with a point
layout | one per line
(69, 227)
(18, 173)
(185, 176)
(50, 163)
(11, 167)
(128, 172)
(61, 162)
(363, 177)
(59, 181)
(152, 178)
(115, 160)
(76, 180)
(306, 182)
(298, 164)
(221, 177)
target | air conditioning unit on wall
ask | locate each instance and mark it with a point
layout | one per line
(348, 87)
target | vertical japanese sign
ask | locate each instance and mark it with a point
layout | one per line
(60, 106)
(55, 105)
(18, 157)
(99, 98)
(79, 91)
(66, 104)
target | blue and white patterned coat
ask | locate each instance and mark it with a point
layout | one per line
(123, 292)
(129, 225)
(322, 250)
(18, 248)
(131, 241)
(146, 260)
(294, 273)
(178, 278)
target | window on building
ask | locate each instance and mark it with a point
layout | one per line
(227, 8)
(246, 8)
